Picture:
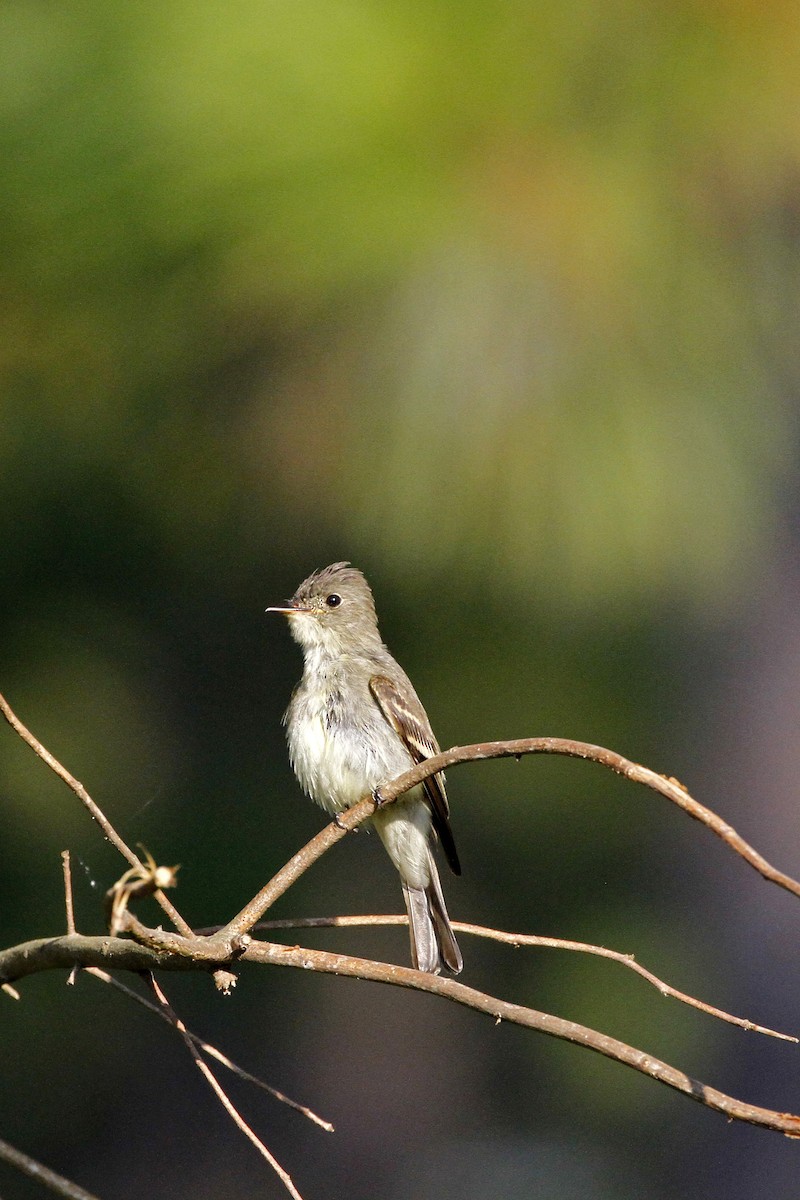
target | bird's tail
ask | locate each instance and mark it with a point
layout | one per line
(433, 943)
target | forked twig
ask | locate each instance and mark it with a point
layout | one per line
(220, 1092)
(207, 1048)
(159, 1010)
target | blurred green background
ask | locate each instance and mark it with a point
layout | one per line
(500, 302)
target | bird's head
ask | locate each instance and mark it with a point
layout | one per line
(333, 609)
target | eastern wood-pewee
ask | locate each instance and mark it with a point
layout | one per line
(355, 722)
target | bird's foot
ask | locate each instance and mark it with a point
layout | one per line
(378, 798)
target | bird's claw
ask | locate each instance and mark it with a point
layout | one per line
(378, 798)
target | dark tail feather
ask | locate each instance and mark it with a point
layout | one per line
(446, 939)
(433, 943)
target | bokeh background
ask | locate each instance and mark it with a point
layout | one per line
(500, 302)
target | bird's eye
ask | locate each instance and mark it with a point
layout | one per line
(333, 601)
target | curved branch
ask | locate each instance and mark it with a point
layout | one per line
(666, 786)
(669, 787)
(169, 951)
(672, 789)
(502, 1010)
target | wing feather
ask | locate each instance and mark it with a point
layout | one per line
(410, 722)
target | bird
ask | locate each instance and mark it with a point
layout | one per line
(354, 723)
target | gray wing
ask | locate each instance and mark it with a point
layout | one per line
(409, 720)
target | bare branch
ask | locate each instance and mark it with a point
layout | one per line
(36, 1170)
(169, 951)
(297, 865)
(220, 1092)
(666, 786)
(672, 789)
(502, 1010)
(626, 960)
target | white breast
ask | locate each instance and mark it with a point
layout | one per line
(340, 765)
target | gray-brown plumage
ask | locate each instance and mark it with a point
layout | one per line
(354, 723)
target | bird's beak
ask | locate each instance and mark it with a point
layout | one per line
(288, 610)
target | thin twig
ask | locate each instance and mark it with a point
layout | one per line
(207, 1048)
(93, 809)
(36, 1170)
(530, 939)
(68, 901)
(626, 960)
(667, 786)
(69, 905)
(220, 1093)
